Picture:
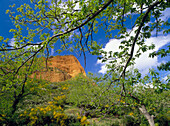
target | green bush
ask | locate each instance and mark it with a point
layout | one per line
(130, 121)
(163, 119)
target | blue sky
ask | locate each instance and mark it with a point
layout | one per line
(94, 65)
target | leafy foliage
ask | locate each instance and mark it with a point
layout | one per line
(72, 24)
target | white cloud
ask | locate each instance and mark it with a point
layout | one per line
(33, 47)
(165, 78)
(138, 86)
(165, 14)
(49, 1)
(76, 6)
(103, 67)
(112, 45)
(143, 63)
(52, 51)
(138, 8)
(12, 42)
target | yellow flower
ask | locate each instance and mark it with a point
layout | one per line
(25, 112)
(64, 88)
(131, 113)
(63, 96)
(44, 112)
(50, 102)
(49, 109)
(79, 117)
(41, 109)
(59, 107)
(30, 115)
(33, 122)
(54, 113)
(122, 101)
(1, 119)
(31, 89)
(107, 106)
(83, 119)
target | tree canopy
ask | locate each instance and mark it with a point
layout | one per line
(72, 24)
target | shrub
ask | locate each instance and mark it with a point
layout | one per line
(130, 121)
(163, 119)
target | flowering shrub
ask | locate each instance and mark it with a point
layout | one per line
(45, 115)
(51, 112)
(59, 99)
(84, 121)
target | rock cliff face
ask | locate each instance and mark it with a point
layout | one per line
(60, 68)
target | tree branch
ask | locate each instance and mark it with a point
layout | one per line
(134, 42)
(137, 34)
(28, 44)
(81, 25)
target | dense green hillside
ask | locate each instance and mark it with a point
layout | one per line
(79, 101)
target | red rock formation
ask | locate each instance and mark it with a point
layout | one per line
(60, 68)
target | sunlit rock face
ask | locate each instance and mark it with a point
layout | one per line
(60, 68)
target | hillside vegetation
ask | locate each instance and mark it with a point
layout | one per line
(79, 101)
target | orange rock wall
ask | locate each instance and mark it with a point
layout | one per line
(60, 68)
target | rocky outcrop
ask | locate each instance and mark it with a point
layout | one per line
(60, 68)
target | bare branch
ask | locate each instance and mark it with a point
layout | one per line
(28, 44)
(84, 23)
(28, 59)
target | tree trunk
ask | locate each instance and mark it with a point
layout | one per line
(147, 115)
